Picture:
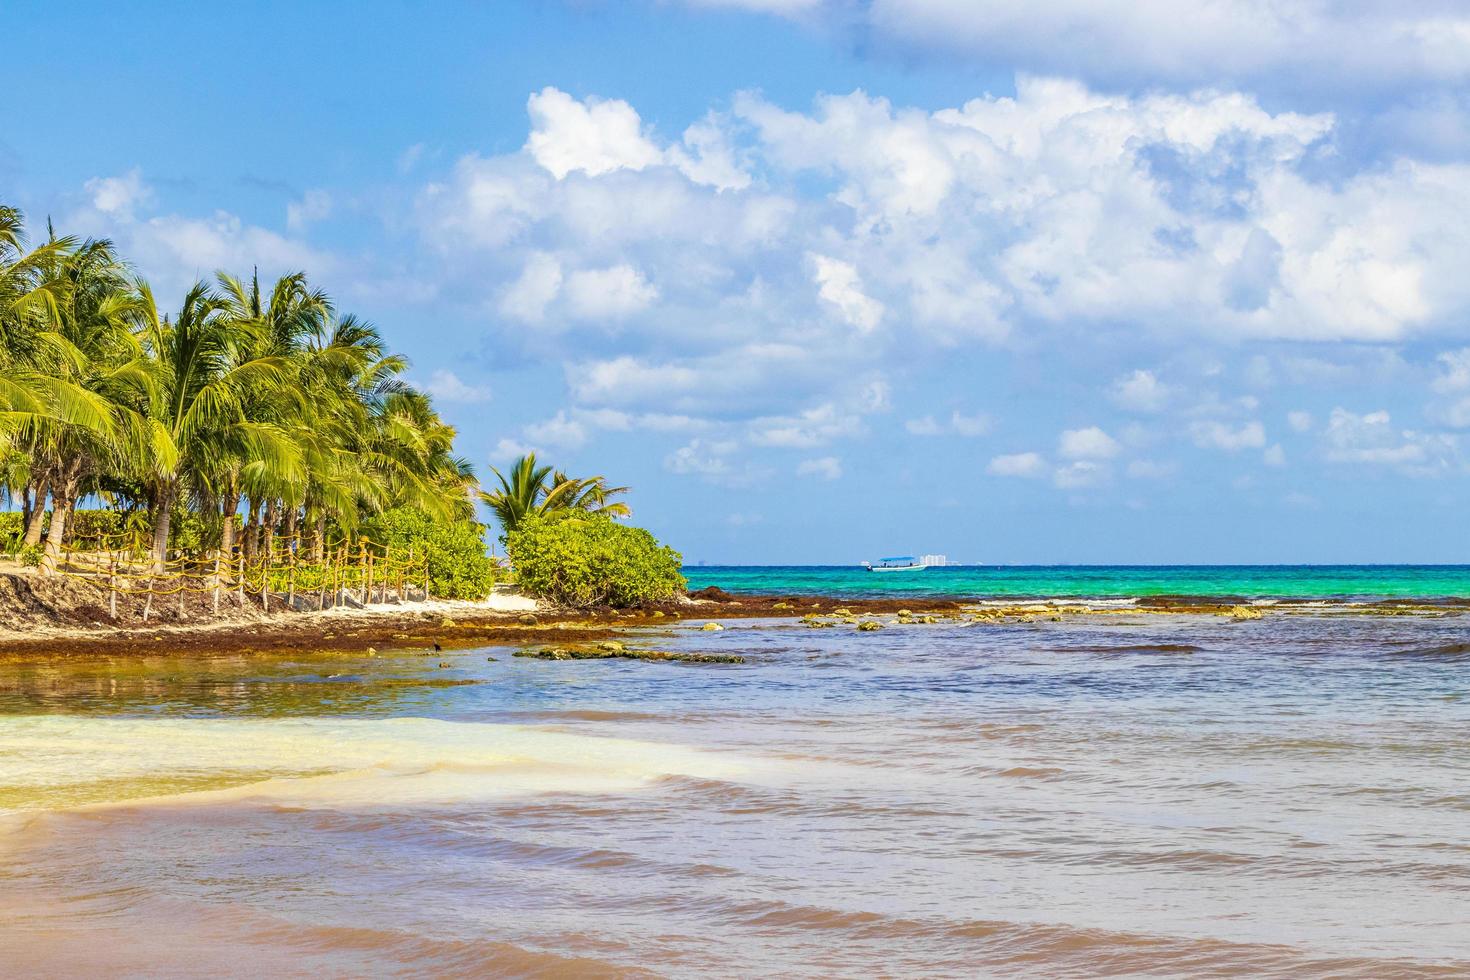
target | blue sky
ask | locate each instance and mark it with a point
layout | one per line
(828, 279)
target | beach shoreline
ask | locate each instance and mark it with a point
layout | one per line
(508, 619)
(503, 619)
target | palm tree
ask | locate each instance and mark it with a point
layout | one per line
(72, 372)
(272, 399)
(198, 406)
(104, 365)
(281, 327)
(590, 495)
(535, 491)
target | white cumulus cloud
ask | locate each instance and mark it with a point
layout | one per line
(119, 195)
(825, 467)
(447, 386)
(1017, 464)
(1221, 435)
(594, 137)
(838, 283)
(1292, 45)
(1372, 438)
(1141, 391)
(1088, 443)
(614, 293)
(958, 424)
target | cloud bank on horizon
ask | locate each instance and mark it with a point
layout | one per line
(1198, 249)
(1316, 46)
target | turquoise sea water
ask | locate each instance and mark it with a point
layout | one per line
(1096, 581)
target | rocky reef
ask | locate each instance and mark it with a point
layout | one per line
(613, 650)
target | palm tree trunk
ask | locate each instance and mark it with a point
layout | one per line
(160, 504)
(229, 504)
(36, 520)
(319, 539)
(268, 536)
(63, 498)
(292, 516)
(252, 530)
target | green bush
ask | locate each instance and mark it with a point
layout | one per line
(105, 528)
(459, 568)
(12, 530)
(90, 525)
(30, 556)
(593, 561)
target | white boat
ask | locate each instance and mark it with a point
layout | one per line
(902, 563)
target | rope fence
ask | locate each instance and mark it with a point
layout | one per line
(358, 573)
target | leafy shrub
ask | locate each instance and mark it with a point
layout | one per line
(104, 528)
(188, 531)
(12, 530)
(458, 565)
(30, 556)
(91, 525)
(593, 561)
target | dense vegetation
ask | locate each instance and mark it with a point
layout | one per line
(458, 567)
(566, 546)
(265, 403)
(262, 422)
(590, 560)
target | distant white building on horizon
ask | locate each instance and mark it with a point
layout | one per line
(931, 561)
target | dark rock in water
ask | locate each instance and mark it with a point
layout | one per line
(492, 659)
(445, 663)
(437, 648)
(526, 619)
(713, 593)
(602, 652)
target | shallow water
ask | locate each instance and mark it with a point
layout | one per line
(1092, 581)
(1122, 794)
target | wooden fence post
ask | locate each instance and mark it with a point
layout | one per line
(291, 579)
(218, 585)
(112, 588)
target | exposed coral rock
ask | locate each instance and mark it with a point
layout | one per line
(597, 653)
(712, 593)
